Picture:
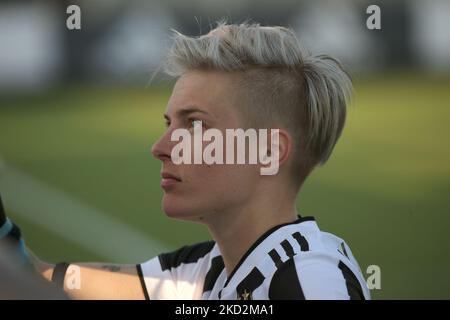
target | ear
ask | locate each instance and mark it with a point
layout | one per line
(284, 146)
(278, 152)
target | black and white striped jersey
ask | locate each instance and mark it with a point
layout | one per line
(290, 261)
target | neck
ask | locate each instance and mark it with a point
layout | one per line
(236, 230)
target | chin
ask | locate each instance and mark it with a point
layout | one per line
(176, 209)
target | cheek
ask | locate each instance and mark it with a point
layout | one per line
(223, 181)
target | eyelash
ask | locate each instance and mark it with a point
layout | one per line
(189, 121)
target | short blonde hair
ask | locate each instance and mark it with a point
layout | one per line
(282, 82)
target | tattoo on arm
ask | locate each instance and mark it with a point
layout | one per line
(112, 268)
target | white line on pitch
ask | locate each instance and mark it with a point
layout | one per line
(70, 219)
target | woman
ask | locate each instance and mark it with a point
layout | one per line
(242, 77)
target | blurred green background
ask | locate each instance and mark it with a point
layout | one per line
(385, 190)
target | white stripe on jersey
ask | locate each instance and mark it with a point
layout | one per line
(290, 261)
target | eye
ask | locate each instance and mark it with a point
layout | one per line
(194, 123)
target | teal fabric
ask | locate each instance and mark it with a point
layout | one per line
(5, 228)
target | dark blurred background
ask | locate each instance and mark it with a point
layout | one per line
(80, 109)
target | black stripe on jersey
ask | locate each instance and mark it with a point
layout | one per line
(186, 254)
(261, 239)
(353, 286)
(285, 284)
(141, 278)
(249, 284)
(287, 248)
(275, 258)
(213, 273)
(344, 251)
(304, 246)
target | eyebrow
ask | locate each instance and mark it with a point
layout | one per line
(186, 111)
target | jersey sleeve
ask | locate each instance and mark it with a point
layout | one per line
(317, 276)
(175, 275)
(156, 282)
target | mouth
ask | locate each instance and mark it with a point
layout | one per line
(169, 180)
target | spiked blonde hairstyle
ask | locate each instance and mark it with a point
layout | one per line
(282, 84)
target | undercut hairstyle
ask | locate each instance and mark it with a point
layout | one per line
(282, 84)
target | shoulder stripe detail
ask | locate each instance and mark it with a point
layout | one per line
(275, 258)
(261, 239)
(213, 273)
(344, 251)
(285, 284)
(304, 246)
(353, 286)
(287, 248)
(186, 254)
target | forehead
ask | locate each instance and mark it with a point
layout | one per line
(211, 91)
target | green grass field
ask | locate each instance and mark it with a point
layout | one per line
(385, 189)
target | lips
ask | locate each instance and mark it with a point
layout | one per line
(168, 180)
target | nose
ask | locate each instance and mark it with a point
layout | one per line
(162, 148)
